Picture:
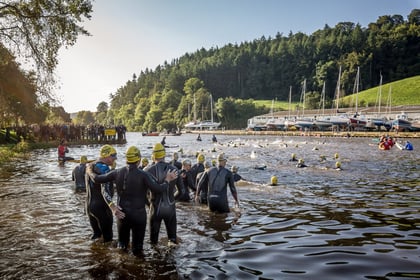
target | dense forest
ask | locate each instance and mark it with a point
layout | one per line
(265, 69)
(231, 76)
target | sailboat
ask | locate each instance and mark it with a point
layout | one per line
(357, 120)
(304, 122)
(205, 124)
(289, 122)
(339, 119)
(322, 122)
(275, 122)
(378, 121)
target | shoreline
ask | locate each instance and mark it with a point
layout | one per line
(341, 134)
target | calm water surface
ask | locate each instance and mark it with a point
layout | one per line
(362, 222)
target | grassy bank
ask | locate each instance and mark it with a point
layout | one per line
(13, 151)
(399, 93)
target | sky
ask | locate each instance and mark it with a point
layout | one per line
(129, 36)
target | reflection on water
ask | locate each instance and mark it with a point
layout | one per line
(362, 222)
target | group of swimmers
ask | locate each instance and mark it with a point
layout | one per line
(136, 194)
(387, 142)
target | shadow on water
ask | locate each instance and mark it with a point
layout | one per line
(318, 223)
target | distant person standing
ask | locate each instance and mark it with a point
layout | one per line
(199, 137)
(78, 175)
(214, 139)
(62, 151)
(100, 216)
(217, 179)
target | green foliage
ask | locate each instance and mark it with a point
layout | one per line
(85, 118)
(57, 115)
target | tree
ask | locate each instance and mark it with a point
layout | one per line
(84, 118)
(34, 31)
(414, 17)
(18, 100)
(102, 107)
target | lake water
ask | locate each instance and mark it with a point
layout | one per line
(362, 222)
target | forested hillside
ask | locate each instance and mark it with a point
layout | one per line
(266, 68)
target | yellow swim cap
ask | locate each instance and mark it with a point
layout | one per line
(301, 160)
(213, 162)
(338, 164)
(274, 180)
(144, 161)
(83, 159)
(159, 151)
(132, 154)
(293, 156)
(107, 150)
(336, 155)
(200, 158)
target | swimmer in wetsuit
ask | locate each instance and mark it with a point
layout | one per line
(132, 185)
(202, 196)
(162, 204)
(100, 216)
(217, 179)
(187, 182)
(78, 175)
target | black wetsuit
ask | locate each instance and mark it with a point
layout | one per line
(176, 163)
(132, 185)
(100, 216)
(187, 182)
(195, 169)
(203, 190)
(217, 179)
(78, 176)
(166, 199)
(236, 177)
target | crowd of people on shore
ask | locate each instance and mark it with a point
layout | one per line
(70, 132)
(141, 193)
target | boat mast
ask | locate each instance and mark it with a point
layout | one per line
(290, 100)
(195, 110)
(380, 95)
(303, 97)
(356, 87)
(337, 97)
(388, 101)
(211, 107)
(323, 99)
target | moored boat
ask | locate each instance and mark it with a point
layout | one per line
(150, 134)
(401, 123)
